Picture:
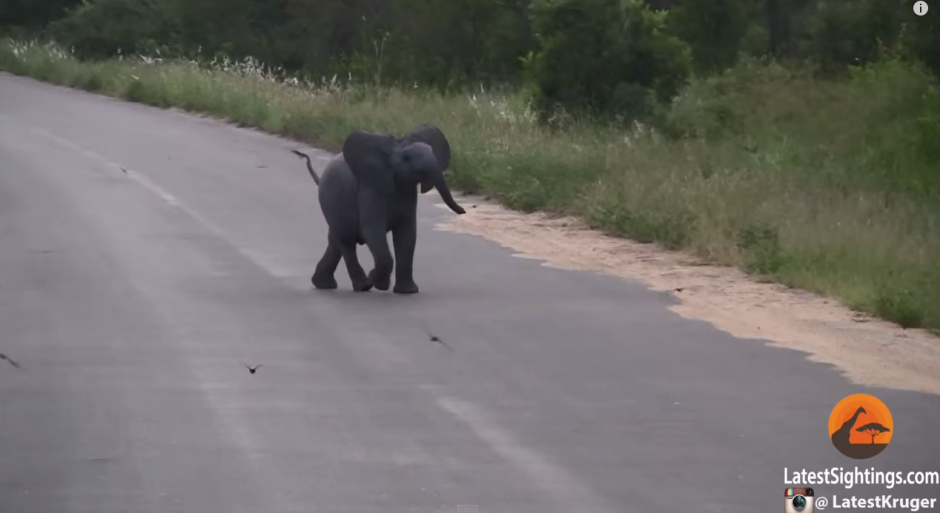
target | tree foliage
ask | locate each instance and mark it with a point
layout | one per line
(604, 57)
(852, 32)
(715, 30)
(101, 29)
(33, 14)
(920, 37)
(614, 58)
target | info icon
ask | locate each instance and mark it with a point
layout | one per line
(800, 500)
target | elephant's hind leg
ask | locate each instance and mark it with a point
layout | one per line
(360, 282)
(323, 277)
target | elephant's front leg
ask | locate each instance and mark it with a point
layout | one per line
(374, 228)
(404, 237)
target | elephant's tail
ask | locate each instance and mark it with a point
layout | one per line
(313, 174)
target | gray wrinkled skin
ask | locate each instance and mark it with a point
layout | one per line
(370, 189)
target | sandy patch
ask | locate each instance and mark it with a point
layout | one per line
(866, 350)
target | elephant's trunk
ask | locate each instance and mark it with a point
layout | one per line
(441, 185)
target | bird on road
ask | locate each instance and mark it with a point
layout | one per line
(10, 361)
(435, 338)
(252, 369)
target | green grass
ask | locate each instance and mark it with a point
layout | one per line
(830, 186)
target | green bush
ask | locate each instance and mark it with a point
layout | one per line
(714, 29)
(98, 29)
(855, 33)
(608, 58)
(920, 36)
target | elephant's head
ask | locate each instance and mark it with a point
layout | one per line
(432, 136)
(383, 162)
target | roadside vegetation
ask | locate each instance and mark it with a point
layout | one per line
(801, 143)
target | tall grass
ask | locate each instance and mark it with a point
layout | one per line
(831, 186)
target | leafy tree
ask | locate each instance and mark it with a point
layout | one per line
(102, 28)
(920, 36)
(781, 17)
(714, 30)
(33, 14)
(465, 41)
(850, 32)
(214, 25)
(604, 57)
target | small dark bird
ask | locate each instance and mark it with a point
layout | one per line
(435, 338)
(679, 289)
(10, 361)
(252, 369)
(125, 171)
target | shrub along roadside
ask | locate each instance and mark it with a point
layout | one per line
(827, 186)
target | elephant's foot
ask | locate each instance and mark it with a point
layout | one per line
(380, 283)
(324, 282)
(405, 287)
(362, 285)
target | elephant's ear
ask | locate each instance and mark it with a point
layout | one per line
(433, 137)
(368, 157)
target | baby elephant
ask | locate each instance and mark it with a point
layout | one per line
(370, 189)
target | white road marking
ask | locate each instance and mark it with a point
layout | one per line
(158, 191)
(554, 480)
(228, 410)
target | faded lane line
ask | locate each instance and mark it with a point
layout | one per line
(557, 482)
(229, 416)
(134, 175)
(145, 182)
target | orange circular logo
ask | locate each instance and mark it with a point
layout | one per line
(861, 426)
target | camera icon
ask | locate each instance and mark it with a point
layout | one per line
(800, 500)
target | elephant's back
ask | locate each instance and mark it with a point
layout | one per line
(338, 183)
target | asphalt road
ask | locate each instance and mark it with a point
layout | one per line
(131, 297)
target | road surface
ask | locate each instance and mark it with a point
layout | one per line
(145, 255)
